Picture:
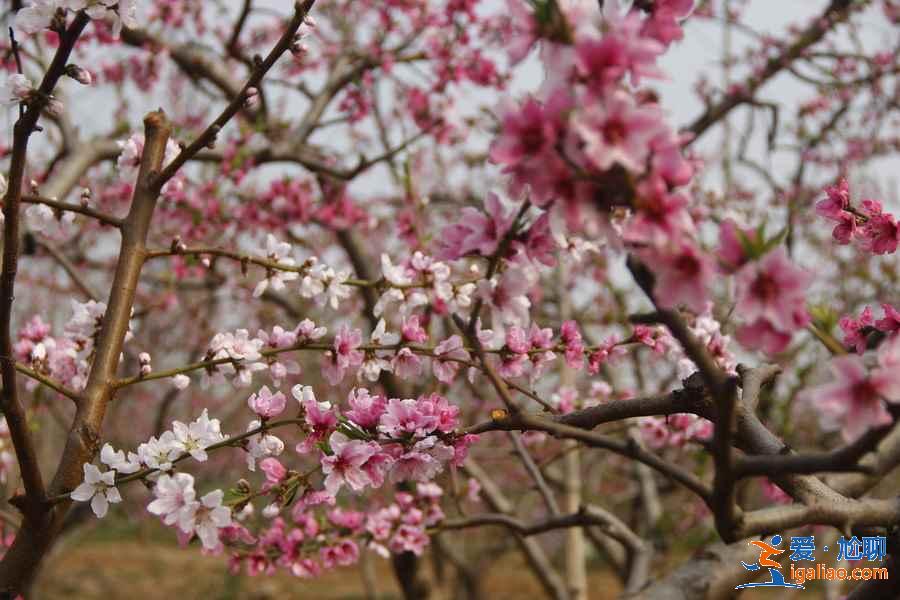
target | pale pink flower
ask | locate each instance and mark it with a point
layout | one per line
(836, 202)
(210, 517)
(446, 356)
(17, 88)
(762, 335)
(732, 253)
(406, 364)
(855, 401)
(571, 339)
(174, 500)
(274, 470)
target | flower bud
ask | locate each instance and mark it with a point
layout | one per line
(55, 108)
(252, 98)
(79, 74)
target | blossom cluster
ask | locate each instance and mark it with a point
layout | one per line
(66, 358)
(37, 15)
(175, 500)
(675, 430)
(873, 229)
(374, 440)
(307, 543)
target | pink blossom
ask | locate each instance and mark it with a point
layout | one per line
(508, 296)
(836, 202)
(617, 131)
(266, 404)
(365, 409)
(654, 431)
(461, 445)
(347, 519)
(659, 217)
(571, 339)
(855, 330)
(854, 402)
(762, 335)
(605, 60)
(344, 554)
(513, 365)
(772, 288)
(565, 399)
(610, 350)
(891, 321)
(344, 356)
(409, 538)
(539, 247)
(475, 231)
(319, 416)
(274, 470)
(344, 464)
(444, 413)
(412, 331)
(732, 253)
(880, 233)
(305, 568)
(528, 132)
(517, 340)
(406, 417)
(682, 275)
(377, 467)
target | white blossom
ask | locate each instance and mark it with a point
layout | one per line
(181, 381)
(381, 337)
(271, 510)
(99, 488)
(325, 285)
(158, 453)
(42, 218)
(261, 445)
(116, 460)
(195, 437)
(129, 161)
(37, 15)
(277, 252)
(395, 274)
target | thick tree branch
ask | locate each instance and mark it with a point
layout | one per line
(13, 409)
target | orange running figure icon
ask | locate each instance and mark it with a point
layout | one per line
(765, 551)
